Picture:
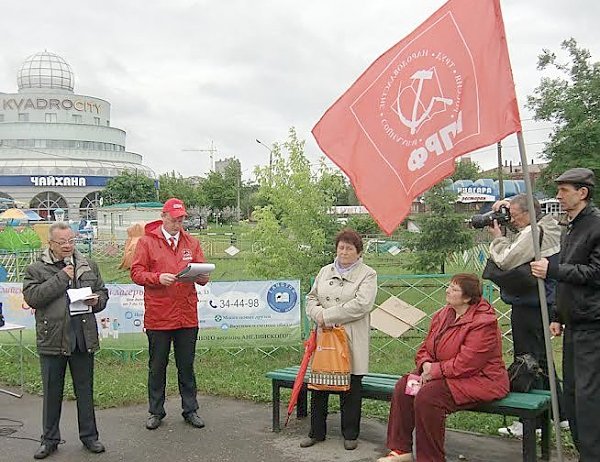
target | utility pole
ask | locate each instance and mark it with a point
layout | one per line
(500, 179)
(211, 152)
(270, 160)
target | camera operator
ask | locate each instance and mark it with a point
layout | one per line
(518, 287)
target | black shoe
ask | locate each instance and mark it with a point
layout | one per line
(45, 450)
(153, 422)
(308, 442)
(94, 446)
(350, 445)
(194, 420)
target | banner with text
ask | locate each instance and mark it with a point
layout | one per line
(231, 314)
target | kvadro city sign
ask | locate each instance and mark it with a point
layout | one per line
(22, 104)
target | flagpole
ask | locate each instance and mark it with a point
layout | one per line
(542, 293)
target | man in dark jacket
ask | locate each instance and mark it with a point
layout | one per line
(578, 304)
(171, 308)
(65, 336)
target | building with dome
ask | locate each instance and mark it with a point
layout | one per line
(57, 148)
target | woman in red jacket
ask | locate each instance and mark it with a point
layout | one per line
(460, 365)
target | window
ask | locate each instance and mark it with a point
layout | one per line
(120, 220)
(97, 120)
(50, 117)
(77, 119)
(1, 117)
(23, 117)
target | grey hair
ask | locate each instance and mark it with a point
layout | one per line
(56, 226)
(521, 201)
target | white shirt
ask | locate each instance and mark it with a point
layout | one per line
(168, 236)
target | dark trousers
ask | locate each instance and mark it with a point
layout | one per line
(53, 368)
(426, 414)
(581, 370)
(159, 347)
(350, 408)
(528, 337)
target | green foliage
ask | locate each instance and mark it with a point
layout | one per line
(572, 102)
(363, 224)
(129, 186)
(442, 232)
(466, 170)
(294, 231)
(26, 239)
(174, 185)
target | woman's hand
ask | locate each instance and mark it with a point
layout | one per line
(320, 321)
(426, 374)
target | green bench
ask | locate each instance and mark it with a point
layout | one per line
(527, 406)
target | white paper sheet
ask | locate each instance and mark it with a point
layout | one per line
(78, 297)
(193, 270)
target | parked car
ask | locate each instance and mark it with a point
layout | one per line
(193, 223)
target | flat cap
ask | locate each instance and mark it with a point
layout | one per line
(577, 175)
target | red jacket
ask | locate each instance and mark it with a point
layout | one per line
(166, 307)
(467, 352)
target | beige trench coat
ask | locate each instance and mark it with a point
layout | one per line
(346, 300)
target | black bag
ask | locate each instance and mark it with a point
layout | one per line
(1, 317)
(523, 373)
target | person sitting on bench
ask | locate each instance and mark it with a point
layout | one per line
(460, 365)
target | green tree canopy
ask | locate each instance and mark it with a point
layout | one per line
(294, 229)
(571, 101)
(442, 232)
(129, 186)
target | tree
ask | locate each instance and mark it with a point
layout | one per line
(442, 232)
(466, 170)
(295, 229)
(129, 186)
(174, 185)
(572, 102)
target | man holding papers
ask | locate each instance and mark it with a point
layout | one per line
(171, 313)
(65, 289)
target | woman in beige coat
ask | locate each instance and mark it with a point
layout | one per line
(343, 294)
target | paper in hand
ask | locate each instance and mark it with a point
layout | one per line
(191, 272)
(78, 297)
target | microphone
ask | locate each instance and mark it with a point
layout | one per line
(68, 261)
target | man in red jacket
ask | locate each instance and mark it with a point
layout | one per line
(171, 313)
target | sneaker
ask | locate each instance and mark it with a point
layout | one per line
(564, 425)
(515, 430)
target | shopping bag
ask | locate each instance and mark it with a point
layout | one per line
(330, 368)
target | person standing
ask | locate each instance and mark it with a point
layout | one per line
(171, 313)
(578, 304)
(343, 294)
(518, 287)
(65, 338)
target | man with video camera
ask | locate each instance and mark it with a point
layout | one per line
(518, 287)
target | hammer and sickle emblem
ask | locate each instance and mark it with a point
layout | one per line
(415, 121)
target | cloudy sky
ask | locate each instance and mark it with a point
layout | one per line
(181, 74)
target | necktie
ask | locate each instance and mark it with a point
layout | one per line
(172, 243)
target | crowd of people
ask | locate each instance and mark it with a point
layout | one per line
(458, 366)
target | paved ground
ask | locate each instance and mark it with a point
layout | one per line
(235, 431)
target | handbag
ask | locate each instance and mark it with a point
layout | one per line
(330, 368)
(519, 279)
(523, 373)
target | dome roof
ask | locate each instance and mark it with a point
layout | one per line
(45, 70)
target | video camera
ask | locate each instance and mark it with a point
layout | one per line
(502, 216)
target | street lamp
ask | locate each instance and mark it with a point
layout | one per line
(270, 160)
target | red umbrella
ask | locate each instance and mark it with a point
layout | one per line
(309, 347)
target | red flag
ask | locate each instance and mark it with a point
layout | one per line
(441, 92)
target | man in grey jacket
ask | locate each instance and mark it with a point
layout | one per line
(65, 336)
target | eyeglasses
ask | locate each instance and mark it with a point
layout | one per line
(64, 243)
